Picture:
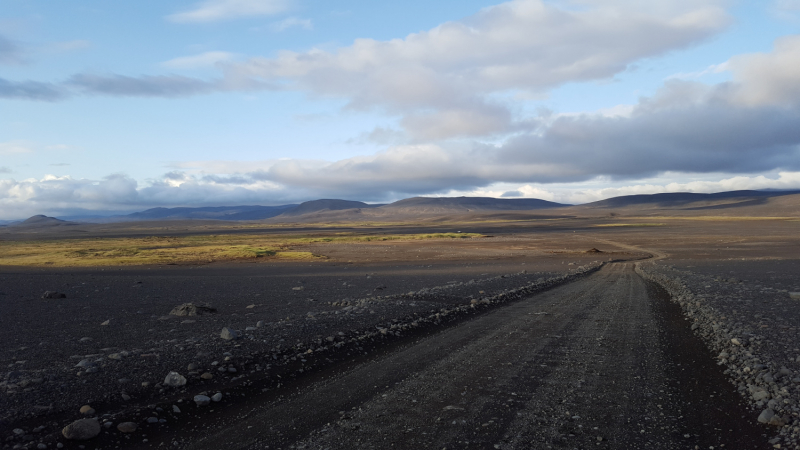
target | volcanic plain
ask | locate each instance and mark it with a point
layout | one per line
(613, 328)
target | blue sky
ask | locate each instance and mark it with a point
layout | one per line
(122, 106)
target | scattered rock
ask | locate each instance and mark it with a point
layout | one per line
(175, 409)
(202, 400)
(217, 397)
(229, 334)
(174, 379)
(190, 309)
(53, 295)
(206, 376)
(127, 427)
(107, 322)
(766, 415)
(87, 410)
(81, 430)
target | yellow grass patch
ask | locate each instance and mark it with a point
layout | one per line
(631, 225)
(178, 250)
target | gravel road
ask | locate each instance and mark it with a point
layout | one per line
(606, 361)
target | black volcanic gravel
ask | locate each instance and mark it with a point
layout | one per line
(298, 305)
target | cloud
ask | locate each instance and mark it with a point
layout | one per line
(54, 195)
(15, 147)
(217, 10)
(441, 80)
(444, 82)
(30, 90)
(381, 136)
(577, 195)
(291, 22)
(712, 69)
(769, 78)
(203, 60)
(144, 86)
(10, 51)
(59, 195)
(4, 169)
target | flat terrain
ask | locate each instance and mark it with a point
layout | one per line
(519, 338)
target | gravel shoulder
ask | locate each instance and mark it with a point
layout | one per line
(751, 327)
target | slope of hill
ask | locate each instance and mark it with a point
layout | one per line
(465, 204)
(408, 209)
(322, 205)
(40, 221)
(679, 200)
(246, 212)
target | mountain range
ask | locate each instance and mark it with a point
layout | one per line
(783, 202)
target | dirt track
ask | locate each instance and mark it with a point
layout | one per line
(604, 362)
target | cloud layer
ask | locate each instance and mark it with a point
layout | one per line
(442, 81)
(54, 195)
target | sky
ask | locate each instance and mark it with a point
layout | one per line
(115, 107)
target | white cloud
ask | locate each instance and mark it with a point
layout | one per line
(202, 60)
(769, 78)
(15, 147)
(216, 10)
(62, 195)
(440, 79)
(291, 22)
(58, 195)
(712, 69)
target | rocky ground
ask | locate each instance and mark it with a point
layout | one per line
(747, 313)
(458, 327)
(111, 342)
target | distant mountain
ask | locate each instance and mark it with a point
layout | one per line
(40, 221)
(411, 208)
(253, 212)
(326, 205)
(463, 204)
(719, 200)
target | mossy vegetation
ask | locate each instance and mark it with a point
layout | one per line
(630, 225)
(180, 250)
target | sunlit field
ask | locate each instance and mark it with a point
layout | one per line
(179, 250)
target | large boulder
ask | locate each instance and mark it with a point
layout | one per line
(81, 430)
(190, 309)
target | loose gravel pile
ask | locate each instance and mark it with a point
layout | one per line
(752, 329)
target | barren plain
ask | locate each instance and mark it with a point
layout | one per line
(505, 330)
